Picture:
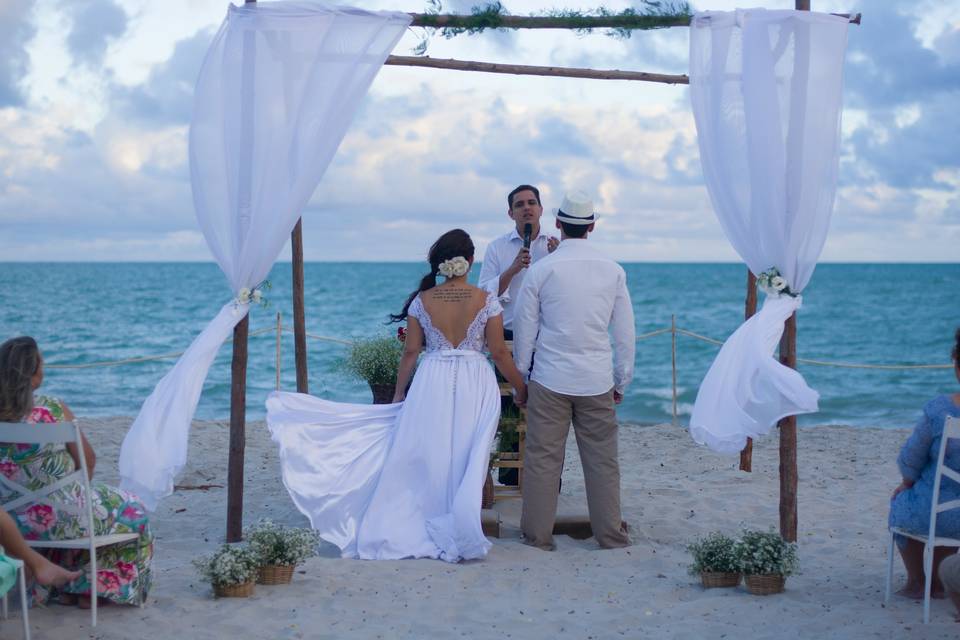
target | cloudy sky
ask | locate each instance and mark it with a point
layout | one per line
(95, 99)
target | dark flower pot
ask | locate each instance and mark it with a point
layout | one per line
(383, 393)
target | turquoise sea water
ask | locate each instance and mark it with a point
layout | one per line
(862, 313)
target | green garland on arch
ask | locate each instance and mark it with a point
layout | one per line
(654, 14)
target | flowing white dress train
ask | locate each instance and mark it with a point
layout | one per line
(401, 480)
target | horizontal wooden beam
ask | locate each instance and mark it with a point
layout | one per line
(527, 70)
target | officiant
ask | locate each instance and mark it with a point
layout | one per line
(508, 256)
(505, 262)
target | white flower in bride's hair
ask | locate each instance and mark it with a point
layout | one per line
(778, 283)
(454, 267)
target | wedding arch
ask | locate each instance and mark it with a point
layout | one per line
(765, 88)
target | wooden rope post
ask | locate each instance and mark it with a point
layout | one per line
(746, 456)
(673, 362)
(279, 332)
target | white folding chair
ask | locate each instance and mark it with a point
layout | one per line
(951, 430)
(63, 433)
(23, 595)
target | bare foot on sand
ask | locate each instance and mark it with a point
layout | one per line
(915, 592)
(53, 575)
(912, 591)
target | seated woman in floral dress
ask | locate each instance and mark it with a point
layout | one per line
(910, 504)
(119, 571)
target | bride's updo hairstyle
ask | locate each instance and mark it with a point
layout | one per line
(19, 361)
(453, 243)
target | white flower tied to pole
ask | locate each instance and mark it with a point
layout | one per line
(454, 267)
(277, 90)
(245, 296)
(773, 284)
(766, 91)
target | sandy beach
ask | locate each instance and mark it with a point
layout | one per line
(672, 492)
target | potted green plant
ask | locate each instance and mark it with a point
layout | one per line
(766, 560)
(376, 360)
(716, 560)
(280, 549)
(231, 570)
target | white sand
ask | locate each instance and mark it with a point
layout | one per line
(672, 491)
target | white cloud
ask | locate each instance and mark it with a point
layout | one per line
(93, 163)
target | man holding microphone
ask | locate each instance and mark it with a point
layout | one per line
(508, 256)
(505, 262)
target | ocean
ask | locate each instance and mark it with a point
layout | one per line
(865, 314)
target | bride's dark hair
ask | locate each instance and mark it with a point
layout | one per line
(453, 243)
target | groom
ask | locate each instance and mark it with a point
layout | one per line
(572, 302)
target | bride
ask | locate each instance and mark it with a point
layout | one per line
(404, 480)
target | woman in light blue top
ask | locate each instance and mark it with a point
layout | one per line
(910, 505)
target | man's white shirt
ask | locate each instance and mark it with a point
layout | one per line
(571, 305)
(498, 258)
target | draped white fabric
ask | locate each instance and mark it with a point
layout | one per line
(277, 90)
(403, 480)
(766, 92)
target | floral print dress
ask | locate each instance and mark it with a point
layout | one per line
(121, 569)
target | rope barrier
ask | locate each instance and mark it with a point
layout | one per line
(826, 363)
(644, 336)
(114, 363)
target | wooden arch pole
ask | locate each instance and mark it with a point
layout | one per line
(788, 425)
(241, 334)
(299, 315)
(750, 308)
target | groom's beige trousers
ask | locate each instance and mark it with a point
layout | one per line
(594, 418)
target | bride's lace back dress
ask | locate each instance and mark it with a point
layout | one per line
(399, 480)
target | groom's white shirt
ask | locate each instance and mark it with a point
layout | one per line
(571, 305)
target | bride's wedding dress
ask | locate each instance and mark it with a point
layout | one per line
(399, 480)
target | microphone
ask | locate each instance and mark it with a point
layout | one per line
(527, 231)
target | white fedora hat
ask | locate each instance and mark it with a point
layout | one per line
(577, 208)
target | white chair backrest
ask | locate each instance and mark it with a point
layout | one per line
(951, 431)
(47, 433)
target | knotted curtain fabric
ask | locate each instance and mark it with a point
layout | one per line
(766, 89)
(278, 88)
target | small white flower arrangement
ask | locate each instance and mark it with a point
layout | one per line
(231, 564)
(774, 284)
(255, 295)
(275, 544)
(454, 267)
(714, 553)
(767, 553)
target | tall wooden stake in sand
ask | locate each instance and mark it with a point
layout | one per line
(746, 456)
(788, 425)
(299, 315)
(238, 367)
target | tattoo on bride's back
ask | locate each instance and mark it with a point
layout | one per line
(452, 295)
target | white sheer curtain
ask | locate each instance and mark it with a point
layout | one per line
(766, 91)
(277, 90)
